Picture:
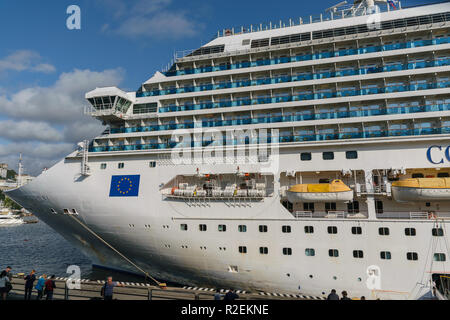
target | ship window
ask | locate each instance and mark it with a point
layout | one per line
(183, 227)
(202, 227)
(306, 156)
(242, 228)
(353, 207)
(333, 253)
(359, 254)
(262, 228)
(222, 228)
(309, 252)
(379, 206)
(103, 166)
(385, 255)
(287, 251)
(286, 229)
(66, 211)
(288, 205)
(443, 175)
(145, 108)
(356, 230)
(411, 232)
(309, 229)
(308, 206)
(245, 42)
(121, 165)
(417, 175)
(152, 164)
(53, 211)
(328, 156)
(263, 250)
(383, 231)
(351, 154)
(74, 212)
(242, 249)
(412, 256)
(332, 230)
(330, 206)
(439, 257)
(324, 180)
(437, 232)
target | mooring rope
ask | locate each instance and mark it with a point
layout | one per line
(147, 275)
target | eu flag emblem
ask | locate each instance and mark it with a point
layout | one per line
(124, 186)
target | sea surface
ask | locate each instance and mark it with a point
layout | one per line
(37, 246)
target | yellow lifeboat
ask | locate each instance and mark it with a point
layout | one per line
(421, 189)
(335, 191)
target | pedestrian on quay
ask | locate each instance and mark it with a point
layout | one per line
(231, 295)
(40, 286)
(29, 282)
(5, 282)
(50, 286)
(344, 296)
(218, 295)
(333, 295)
(363, 298)
(108, 289)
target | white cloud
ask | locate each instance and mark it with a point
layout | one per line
(62, 102)
(28, 131)
(45, 123)
(25, 60)
(150, 18)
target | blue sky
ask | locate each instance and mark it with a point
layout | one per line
(45, 69)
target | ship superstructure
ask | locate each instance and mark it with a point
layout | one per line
(292, 157)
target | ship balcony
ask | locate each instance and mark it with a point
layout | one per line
(297, 78)
(414, 215)
(278, 118)
(310, 96)
(306, 137)
(309, 57)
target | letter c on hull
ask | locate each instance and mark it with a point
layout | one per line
(440, 149)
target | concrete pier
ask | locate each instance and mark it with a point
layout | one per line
(90, 290)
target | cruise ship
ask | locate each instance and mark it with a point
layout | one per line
(294, 157)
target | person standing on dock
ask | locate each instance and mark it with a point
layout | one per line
(231, 295)
(50, 286)
(333, 295)
(5, 282)
(29, 282)
(108, 289)
(344, 296)
(40, 286)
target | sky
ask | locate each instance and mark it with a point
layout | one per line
(46, 69)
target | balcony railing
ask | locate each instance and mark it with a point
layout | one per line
(303, 77)
(306, 97)
(316, 56)
(285, 118)
(329, 215)
(280, 139)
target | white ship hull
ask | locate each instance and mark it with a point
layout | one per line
(147, 230)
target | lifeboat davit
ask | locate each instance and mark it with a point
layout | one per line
(421, 189)
(336, 191)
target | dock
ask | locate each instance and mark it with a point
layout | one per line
(90, 290)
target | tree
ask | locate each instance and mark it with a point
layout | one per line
(8, 203)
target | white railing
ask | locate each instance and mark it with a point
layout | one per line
(302, 214)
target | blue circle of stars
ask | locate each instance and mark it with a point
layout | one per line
(124, 186)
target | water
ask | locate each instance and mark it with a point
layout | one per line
(37, 246)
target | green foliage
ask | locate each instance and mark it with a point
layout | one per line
(11, 175)
(8, 203)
